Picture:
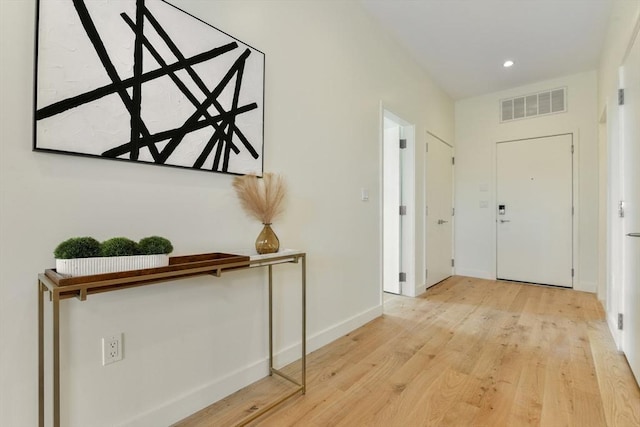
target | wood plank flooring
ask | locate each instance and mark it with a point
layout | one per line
(468, 352)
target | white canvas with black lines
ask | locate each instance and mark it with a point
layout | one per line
(141, 80)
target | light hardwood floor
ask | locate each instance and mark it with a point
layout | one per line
(468, 352)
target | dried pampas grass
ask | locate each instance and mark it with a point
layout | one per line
(263, 198)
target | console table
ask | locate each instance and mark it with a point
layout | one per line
(81, 287)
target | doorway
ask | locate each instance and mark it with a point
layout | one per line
(535, 210)
(398, 207)
(438, 210)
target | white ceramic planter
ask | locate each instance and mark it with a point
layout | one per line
(90, 266)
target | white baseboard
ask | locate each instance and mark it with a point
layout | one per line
(480, 274)
(195, 400)
(332, 333)
(585, 286)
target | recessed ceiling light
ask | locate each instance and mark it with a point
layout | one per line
(507, 64)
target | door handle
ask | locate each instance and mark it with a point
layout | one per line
(633, 234)
(442, 221)
(505, 220)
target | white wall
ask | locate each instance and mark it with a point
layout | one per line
(478, 128)
(328, 66)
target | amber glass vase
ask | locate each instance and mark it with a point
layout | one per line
(267, 241)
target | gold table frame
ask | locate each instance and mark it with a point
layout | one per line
(82, 290)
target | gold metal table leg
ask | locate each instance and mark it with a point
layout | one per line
(270, 320)
(301, 387)
(304, 324)
(41, 290)
(56, 358)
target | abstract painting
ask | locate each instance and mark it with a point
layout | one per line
(144, 81)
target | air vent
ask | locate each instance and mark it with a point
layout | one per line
(507, 110)
(532, 105)
(544, 103)
(557, 101)
(547, 102)
(518, 108)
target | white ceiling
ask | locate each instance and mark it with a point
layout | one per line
(463, 43)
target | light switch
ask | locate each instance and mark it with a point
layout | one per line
(364, 195)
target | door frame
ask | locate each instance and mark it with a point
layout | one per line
(575, 221)
(408, 263)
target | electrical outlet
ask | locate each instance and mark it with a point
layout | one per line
(111, 349)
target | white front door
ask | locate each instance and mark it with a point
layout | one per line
(630, 132)
(439, 218)
(534, 212)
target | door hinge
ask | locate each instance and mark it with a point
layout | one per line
(426, 147)
(573, 210)
(573, 272)
(620, 96)
(620, 321)
(453, 211)
(403, 209)
(453, 262)
(426, 274)
(403, 277)
(403, 143)
(572, 149)
(621, 209)
(453, 160)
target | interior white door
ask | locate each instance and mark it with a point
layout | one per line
(630, 131)
(534, 212)
(391, 195)
(439, 218)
